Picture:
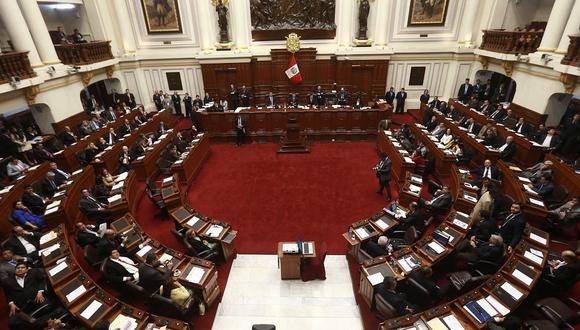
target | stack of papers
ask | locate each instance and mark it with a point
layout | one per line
(214, 231)
(470, 198)
(460, 224)
(452, 322)
(484, 310)
(537, 202)
(74, 294)
(50, 249)
(414, 189)
(362, 233)
(534, 258)
(123, 322)
(195, 275)
(91, 309)
(383, 225)
(50, 211)
(118, 185)
(376, 278)
(436, 247)
(48, 237)
(121, 176)
(509, 288)
(290, 248)
(144, 251)
(497, 305)
(115, 198)
(165, 257)
(416, 180)
(192, 221)
(523, 179)
(409, 160)
(538, 239)
(529, 190)
(60, 267)
(168, 180)
(522, 277)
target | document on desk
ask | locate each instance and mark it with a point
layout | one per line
(487, 307)
(58, 269)
(195, 275)
(118, 185)
(387, 132)
(177, 162)
(538, 239)
(74, 294)
(115, 198)
(192, 221)
(436, 324)
(144, 250)
(48, 237)
(50, 249)
(460, 224)
(452, 322)
(383, 225)
(123, 322)
(396, 144)
(509, 288)
(140, 158)
(405, 265)
(122, 176)
(414, 189)
(529, 190)
(91, 309)
(416, 179)
(436, 247)
(214, 231)
(53, 204)
(167, 180)
(532, 257)
(522, 277)
(470, 198)
(375, 278)
(165, 257)
(497, 305)
(409, 160)
(537, 202)
(362, 233)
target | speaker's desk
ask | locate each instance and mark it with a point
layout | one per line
(289, 263)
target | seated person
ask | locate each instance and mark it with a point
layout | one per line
(91, 152)
(85, 129)
(24, 217)
(25, 292)
(544, 187)
(379, 248)
(153, 274)
(512, 228)
(419, 160)
(486, 171)
(490, 137)
(440, 202)
(567, 213)
(16, 168)
(472, 126)
(108, 178)
(23, 243)
(33, 201)
(415, 218)
(424, 277)
(125, 160)
(446, 138)
(483, 228)
(535, 172)
(41, 154)
(522, 127)
(48, 186)
(398, 300)
(110, 136)
(60, 176)
(473, 250)
(180, 295)
(550, 140)
(110, 241)
(8, 264)
(92, 208)
(439, 131)
(118, 269)
(101, 144)
(172, 154)
(564, 271)
(67, 137)
(199, 245)
(87, 234)
(508, 149)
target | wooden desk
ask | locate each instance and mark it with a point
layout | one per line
(188, 168)
(400, 158)
(145, 166)
(383, 265)
(289, 263)
(565, 176)
(443, 160)
(265, 125)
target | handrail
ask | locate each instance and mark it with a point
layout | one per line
(15, 64)
(86, 53)
(511, 42)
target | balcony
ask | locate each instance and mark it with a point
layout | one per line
(511, 42)
(15, 64)
(83, 54)
(572, 56)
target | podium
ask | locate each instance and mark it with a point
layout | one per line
(293, 141)
(289, 263)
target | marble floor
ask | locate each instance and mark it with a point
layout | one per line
(256, 295)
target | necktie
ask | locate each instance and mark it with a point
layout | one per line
(485, 173)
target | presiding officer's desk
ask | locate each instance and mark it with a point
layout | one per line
(268, 125)
(289, 263)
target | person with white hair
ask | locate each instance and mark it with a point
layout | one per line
(381, 247)
(471, 250)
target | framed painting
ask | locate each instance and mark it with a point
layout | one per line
(427, 12)
(161, 16)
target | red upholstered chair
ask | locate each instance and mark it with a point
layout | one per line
(313, 268)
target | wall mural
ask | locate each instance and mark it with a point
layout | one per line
(273, 19)
(161, 16)
(427, 12)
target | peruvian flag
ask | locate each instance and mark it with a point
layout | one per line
(293, 72)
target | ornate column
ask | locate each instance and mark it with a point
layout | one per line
(381, 22)
(124, 23)
(207, 34)
(39, 32)
(556, 24)
(18, 31)
(570, 29)
(241, 26)
(344, 26)
(466, 30)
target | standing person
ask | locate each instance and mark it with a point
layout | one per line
(465, 91)
(383, 169)
(390, 96)
(188, 103)
(176, 99)
(424, 98)
(234, 97)
(245, 96)
(240, 130)
(401, 97)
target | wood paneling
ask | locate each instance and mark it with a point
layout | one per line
(365, 76)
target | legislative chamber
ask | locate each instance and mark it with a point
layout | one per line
(263, 165)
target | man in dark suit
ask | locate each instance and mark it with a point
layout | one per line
(234, 97)
(565, 271)
(41, 154)
(111, 136)
(270, 100)
(293, 100)
(465, 91)
(32, 200)
(152, 274)
(471, 125)
(435, 104)
(124, 160)
(110, 241)
(415, 218)
(383, 170)
(130, 99)
(25, 292)
(498, 114)
(125, 128)
(512, 228)
(522, 127)
(8, 264)
(486, 108)
(486, 90)
(176, 99)
(477, 89)
(342, 97)
(207, 98)
(510, 119)
(92, 208)
(390, 96)
(486, 171)
(423, 277)
(508, 149)
(240, 130)
(550, 140)
(319, 97)
(245, 96)
(544, 187)
(440, 202)
(379, 248)
(401, 97)
(472, 250)
(23, 243)
(67, 137)
(114, 98)
(110, 114)
(398, 300)
(48, 187)
(87, 234)
(118, 269)
(188, 103)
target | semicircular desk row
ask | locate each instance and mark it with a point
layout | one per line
(63, 213)
(518, 274)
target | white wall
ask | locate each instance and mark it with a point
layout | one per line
(520, 13)
(69, 19)
(556, 107)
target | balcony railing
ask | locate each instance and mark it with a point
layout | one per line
(15, 64)
(82, 54)
(511, 42)
(572, 56)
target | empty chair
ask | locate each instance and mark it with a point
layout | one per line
(93, 257)
(384, 310)
(562, 314)
(401, 239)
(313, 268)
(463, 281)
(263, 327)
(418, 294)
(157, 202)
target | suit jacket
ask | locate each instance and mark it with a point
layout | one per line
(67, 138)
(105, 246)
(243, 122)
(424, 98)
(443, 202)
(384, 169)
(489, 252)
(415, 219)
(508, 152)
(526, 129)
(435, 104)
(21, 296)
(89, 208)
(462, 94)
(6, 270)
(270, 102)
(124, 129)
(396, 299)
(188, 102)
(48, 188)
(390, 97)
(176, 99)
(115, 272)
(553, 143)
(85, 130)
(401, 97)
(512, 229)
(428, 284)
(567, 273)
(151, 279)
(59, 177)
(544, 189)
(110, 115)
(483, 230)
(42, 155)
(85, 238)
(293, 101)
(14, 244)
(374, 249)
(34, 203)
(495, 174)
(130, 100)
(207, 99)
(474, 129)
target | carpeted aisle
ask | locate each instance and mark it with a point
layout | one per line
(271, 198)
